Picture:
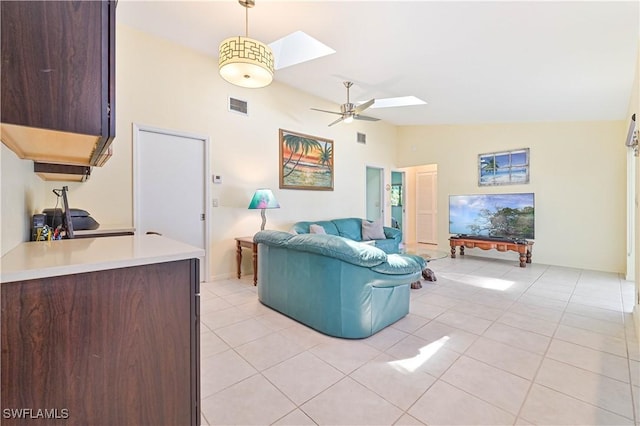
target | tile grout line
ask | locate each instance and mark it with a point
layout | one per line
(460, 354)
(571, 396)
(504, 310)
(535, 375)
(634, 411)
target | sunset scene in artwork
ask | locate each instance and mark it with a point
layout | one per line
(306, 162)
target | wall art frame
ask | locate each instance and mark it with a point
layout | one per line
(504, 167)
(306, 162)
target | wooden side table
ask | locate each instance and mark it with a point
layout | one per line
(247, 242)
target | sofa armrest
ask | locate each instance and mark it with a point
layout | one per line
(272, 238)
(392, 233)
(418, 259)
(400, 264)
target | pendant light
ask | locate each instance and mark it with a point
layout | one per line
(243, 61)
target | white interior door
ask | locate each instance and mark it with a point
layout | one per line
(426, 207)
(169, 189)
(375, 199)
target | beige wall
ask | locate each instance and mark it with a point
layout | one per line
(22, 194)
(577, 174)
(164, 85)
(577, 169)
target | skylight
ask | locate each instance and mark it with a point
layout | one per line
(297, 47)
(397, 102)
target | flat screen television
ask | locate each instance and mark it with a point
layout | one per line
(493, 215)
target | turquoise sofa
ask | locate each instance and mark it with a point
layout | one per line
(351, 228)
(333, 284)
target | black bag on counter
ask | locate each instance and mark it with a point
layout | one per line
(80, 219)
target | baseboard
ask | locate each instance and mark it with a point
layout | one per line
(221, 277)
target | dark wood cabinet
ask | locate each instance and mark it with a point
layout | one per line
(58, 80)
(112, 347)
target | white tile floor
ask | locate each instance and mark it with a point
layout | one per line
(488, 343)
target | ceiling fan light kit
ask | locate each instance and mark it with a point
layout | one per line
(243, 61)
(349, 111)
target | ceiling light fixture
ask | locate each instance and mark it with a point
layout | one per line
(243, 61)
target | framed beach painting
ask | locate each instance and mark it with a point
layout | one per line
(306, 162)
(504, 168)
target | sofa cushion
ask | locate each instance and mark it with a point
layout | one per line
(397, 264)
(339, 248)
(303, 227)
(316, 229)
(350, 227)
(372, 230)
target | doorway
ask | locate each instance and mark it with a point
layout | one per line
(170, 172)
(427, 206)
(375, 194)
(398, 202)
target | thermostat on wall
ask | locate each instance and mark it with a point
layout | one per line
(217, 179)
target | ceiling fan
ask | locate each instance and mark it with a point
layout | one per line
(348, 111)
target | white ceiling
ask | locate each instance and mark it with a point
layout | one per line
(473, 62)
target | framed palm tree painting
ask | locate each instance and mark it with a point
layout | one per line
(306, 162)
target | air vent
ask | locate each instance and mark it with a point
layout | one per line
(362, 138)
(237, 105)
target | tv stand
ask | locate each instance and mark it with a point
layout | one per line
(523, 247)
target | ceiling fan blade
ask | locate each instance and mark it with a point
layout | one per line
(337, 121)
(364, 117)
(364, 106)
(324, 110)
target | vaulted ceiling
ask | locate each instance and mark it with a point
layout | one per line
(473, 62)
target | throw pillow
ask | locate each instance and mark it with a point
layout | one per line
(316, 229)
(372, 230)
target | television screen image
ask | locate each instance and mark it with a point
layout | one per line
(493, 215)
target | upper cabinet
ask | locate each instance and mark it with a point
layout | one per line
(58, 80)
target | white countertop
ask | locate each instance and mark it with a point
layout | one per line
(41, 259)
(104, 230)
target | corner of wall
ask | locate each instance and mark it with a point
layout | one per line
(635, 105)
(21, 197)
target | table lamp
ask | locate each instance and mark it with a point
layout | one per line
(263, 199)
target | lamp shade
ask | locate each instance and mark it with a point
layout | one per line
(263, 199)
(246, 62)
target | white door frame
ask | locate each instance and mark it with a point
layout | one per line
(403, 173)
(383, 205)
(631, 206)
(137, 129)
